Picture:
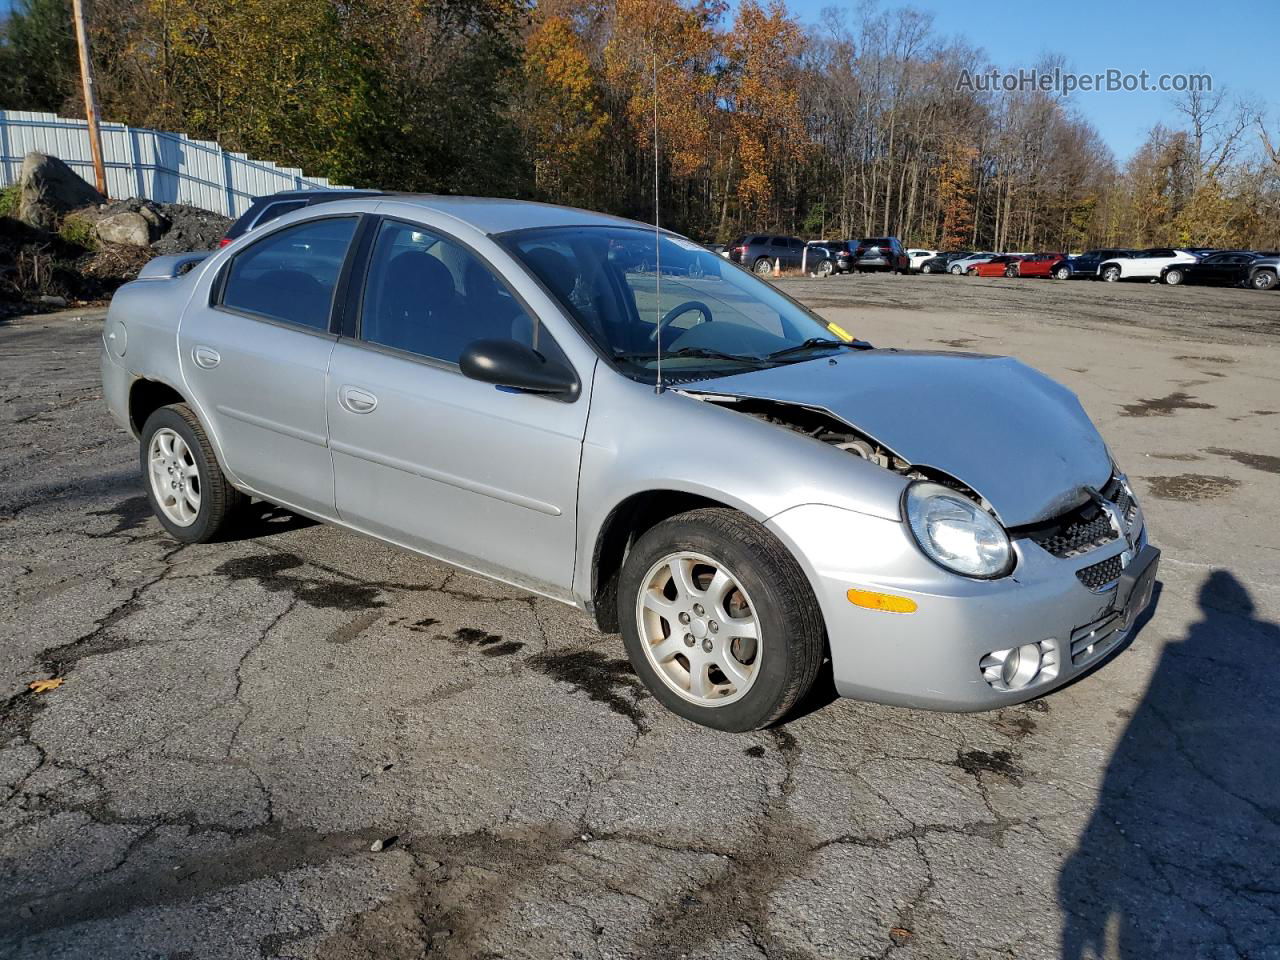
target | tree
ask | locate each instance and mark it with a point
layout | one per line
(38, 66)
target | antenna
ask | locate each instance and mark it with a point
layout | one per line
(657, 234)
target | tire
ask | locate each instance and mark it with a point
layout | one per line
(762, 267)
(1263, 280)
(1111, 274)
(825, 269)
(954, 270)
(760, 573)
(215, 501)
(925, 268)
(1173, 277)
(1062, 273)
(971, 272)
(1011, 270)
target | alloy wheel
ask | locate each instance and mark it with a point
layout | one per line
(174, 476)
(699, 629)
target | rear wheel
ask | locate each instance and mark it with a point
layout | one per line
(1062, 273)
(763, 266)
(1011, 270)
(1263, 280)
(1173, 277)
(719, 620)
(1111, 274)
(186, 487)
(925, 268)
(955, 270)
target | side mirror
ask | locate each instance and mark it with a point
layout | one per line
(506, 363)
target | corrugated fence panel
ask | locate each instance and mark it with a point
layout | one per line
(160, 166)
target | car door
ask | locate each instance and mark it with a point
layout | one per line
(254, 352)
(481, 476)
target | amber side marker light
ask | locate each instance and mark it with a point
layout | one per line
(881, 601)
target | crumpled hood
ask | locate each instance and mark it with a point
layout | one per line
(1018, 438)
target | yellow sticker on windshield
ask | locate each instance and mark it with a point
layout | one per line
(840, 332)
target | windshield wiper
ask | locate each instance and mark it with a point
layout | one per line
(814, 343)
(702, 353)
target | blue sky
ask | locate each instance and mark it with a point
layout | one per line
(1172, 36)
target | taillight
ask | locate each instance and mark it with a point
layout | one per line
(224, 241)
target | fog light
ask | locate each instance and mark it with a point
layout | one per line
(1018, 667)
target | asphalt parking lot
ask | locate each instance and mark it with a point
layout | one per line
(240, 724)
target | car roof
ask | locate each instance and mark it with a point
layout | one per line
(310, 194)
(494, 215)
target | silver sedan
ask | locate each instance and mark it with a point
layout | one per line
(619, 419)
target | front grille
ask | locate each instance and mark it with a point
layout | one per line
(1098, 575)
(1084, 528)
(1118, 493)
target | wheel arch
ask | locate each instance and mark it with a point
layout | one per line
(622, 526)
(146, 396)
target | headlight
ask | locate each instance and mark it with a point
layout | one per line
(956, 533)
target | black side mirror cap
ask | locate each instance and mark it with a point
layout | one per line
(506, 363)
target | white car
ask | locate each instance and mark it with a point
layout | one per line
(959, 267)
(1144, 265)
(917, 257)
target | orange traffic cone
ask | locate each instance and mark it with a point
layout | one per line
(777, 267)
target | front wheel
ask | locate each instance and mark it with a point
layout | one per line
(187, 490)
(1263, 280)
(825, 269)
(926, 269)
(1111, 274)
(1062, 273)
(1011, 270)
(719, 620)
(1173, 277)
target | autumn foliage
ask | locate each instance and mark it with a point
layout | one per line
(855, 125)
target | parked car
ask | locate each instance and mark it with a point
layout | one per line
(1039, 264)
(759, 252)
(959, 266)
(880, 253)
(1002, 266)
(266, 208)
(1238, 267)
(1144, 264)
(939, 263)
(1264, 273)
(341, 362)
(916, 258)
(825, 259)
(1087, 263)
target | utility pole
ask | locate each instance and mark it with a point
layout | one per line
(90, 101)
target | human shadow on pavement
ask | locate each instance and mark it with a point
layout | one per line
(1181, 857)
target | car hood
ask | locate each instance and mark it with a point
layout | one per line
(1019, 439)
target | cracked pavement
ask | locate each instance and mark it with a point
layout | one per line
(241, 723)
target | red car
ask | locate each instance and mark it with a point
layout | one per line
(1039, 264)
(1003, 266)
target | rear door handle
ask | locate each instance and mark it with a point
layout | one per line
(206, 357)
(357, 400)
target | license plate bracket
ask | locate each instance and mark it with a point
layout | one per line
(1136, 585)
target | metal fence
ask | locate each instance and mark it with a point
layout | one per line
(165, 167)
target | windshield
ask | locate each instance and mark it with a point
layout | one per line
(711, 316)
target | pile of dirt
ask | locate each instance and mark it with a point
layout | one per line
(57, 249)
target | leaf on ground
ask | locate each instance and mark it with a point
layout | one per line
(899, 934)
(44, 686)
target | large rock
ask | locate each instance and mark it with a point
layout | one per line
(48, 188)
(126, 227)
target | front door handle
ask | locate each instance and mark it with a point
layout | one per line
(206, 357)
(357, 400)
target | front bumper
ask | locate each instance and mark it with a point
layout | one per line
(937, 658)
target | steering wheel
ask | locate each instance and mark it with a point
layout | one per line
(680, 310)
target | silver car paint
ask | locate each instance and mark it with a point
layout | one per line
(1038, 453)
(502, 499)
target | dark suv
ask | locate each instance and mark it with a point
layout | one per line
(881, 253)
(758, 252)
(1087, 264)
(265, 209)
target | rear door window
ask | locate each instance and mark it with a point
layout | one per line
(290, 275)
